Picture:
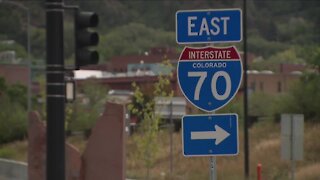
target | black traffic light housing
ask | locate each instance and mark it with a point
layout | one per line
(85, 38)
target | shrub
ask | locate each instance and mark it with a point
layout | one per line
(304, 97)
(13, 120)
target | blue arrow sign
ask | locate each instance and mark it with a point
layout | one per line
(209, 26)
(210, 135)
(209, 77)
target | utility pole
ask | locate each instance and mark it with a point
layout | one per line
(55, 91)
(245, 93)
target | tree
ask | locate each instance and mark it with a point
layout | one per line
(38, 42)
(13, 120)
(17, 48)
(304, 97)
(261, 47)
(313, 58)
(12, 24)
(3, 85)
(13, 114)
(18, 94)
(143, 107)
(85, 111)
(133, 38)
(288, 56)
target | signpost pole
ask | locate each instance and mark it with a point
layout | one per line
(245, 94)
(171, 138)
(292, 169)
(292, 146)
(213, 159)
(213, 165)
(213, 168)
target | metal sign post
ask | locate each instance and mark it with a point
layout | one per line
(171, 139)
(292, 130)
(213, 168)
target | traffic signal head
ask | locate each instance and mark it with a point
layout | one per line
(85, 38)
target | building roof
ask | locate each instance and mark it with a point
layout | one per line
(120, 63)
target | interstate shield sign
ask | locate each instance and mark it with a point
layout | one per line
(209, 77)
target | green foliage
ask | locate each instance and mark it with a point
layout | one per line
(288, 56)
(133, 38)
(19, 50)
(277, 24)
(235, 106)
(143, 107)
(80, 118)
(18, 94)
(3, 86)
(314, 57)
(13, 114)
(84, 112)
(111, 13)
(296, 30)
(12, 24)
(261, 46)
(132, 27)
(17, 150)
(7, 153)
(261, 104)
(13, 120)
(304, 97)
(38, 42)
(41, 104)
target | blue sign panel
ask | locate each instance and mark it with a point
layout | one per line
(205, 26)
(209, 77)
(210, 135)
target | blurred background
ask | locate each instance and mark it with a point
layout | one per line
(138, 44)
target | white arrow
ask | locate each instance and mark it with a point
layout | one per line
(219, 135)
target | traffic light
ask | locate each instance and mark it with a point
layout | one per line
(85, 38)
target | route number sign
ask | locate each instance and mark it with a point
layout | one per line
(209, 77)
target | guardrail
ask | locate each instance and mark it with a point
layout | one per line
(13, 170)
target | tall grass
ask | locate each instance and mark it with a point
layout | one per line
(15, 151)
(264, 148)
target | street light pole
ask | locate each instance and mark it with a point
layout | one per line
(55, 91)
(28, 48)
(29, 62)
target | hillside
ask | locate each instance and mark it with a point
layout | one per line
(273, 26)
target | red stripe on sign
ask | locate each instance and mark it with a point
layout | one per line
(210, 53)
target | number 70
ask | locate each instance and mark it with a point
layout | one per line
(203, 76)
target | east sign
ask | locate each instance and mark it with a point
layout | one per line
(208, 26)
